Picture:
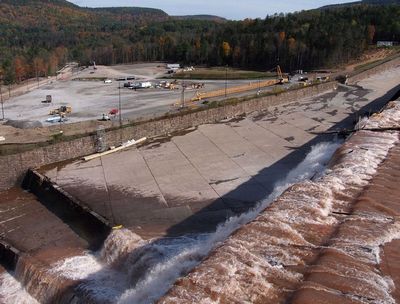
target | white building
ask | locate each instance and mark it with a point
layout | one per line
(385, 43)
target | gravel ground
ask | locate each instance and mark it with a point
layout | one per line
(90, 97)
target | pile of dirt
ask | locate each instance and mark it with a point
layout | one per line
(24, 124)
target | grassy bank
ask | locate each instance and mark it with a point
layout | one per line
(367, 66)
(222, 74)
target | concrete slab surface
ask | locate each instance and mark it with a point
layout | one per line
(191, 182)
(28, 226)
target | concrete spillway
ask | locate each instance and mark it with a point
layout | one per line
(192, 181)
(170, 195)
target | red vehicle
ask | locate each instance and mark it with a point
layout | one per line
(113, 112)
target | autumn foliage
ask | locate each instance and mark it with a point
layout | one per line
(37, 37)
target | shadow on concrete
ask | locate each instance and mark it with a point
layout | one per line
(201, 221)
(276, 172)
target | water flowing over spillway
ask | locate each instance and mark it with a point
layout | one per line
(319, 236)
(266, 260)
(131, 270)
(11, 291)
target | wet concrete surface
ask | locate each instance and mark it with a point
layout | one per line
(27, 225)
(192, 181)
(42, 239)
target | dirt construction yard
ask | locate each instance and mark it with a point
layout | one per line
(90, 97)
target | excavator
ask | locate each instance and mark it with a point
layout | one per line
(283, 78)
(61, 110)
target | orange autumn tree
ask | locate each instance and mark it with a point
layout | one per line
(281, 38)
(371, 33)
(39, 66)
(20, 68)
(226, 50)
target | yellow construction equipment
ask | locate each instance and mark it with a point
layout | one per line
(281, 77)
(237, 89)
(61, 110)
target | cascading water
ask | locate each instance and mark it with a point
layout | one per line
(265, 261)
(130, 270)
(11, 291)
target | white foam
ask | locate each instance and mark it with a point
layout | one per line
(11, 291)
(77, 267)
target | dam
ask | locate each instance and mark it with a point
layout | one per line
(169, 196)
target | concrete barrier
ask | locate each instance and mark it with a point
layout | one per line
(9, 255)
(84, 221)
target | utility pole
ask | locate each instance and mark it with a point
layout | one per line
(226, 79)
(183, 91)
(119, 104)
(183, 94)
(2, 102)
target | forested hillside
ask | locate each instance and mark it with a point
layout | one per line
(38, 36)
(363, 2)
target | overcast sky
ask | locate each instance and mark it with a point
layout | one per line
(231, 9)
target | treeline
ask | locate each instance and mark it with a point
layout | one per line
(303, 40)
(37, 39)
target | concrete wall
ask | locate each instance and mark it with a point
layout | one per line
(66, 208)
(13, 167)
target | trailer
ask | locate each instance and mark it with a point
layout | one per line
(48, 99)
(141, 85)
(173, 66)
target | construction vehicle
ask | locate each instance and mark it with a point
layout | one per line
(282, 78)
(63, 110)
(57, 118)
(173, 85)
(113, 112)
(197, 86)
(105, 117)
(48, 99)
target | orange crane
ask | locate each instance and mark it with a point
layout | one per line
(280, 75)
